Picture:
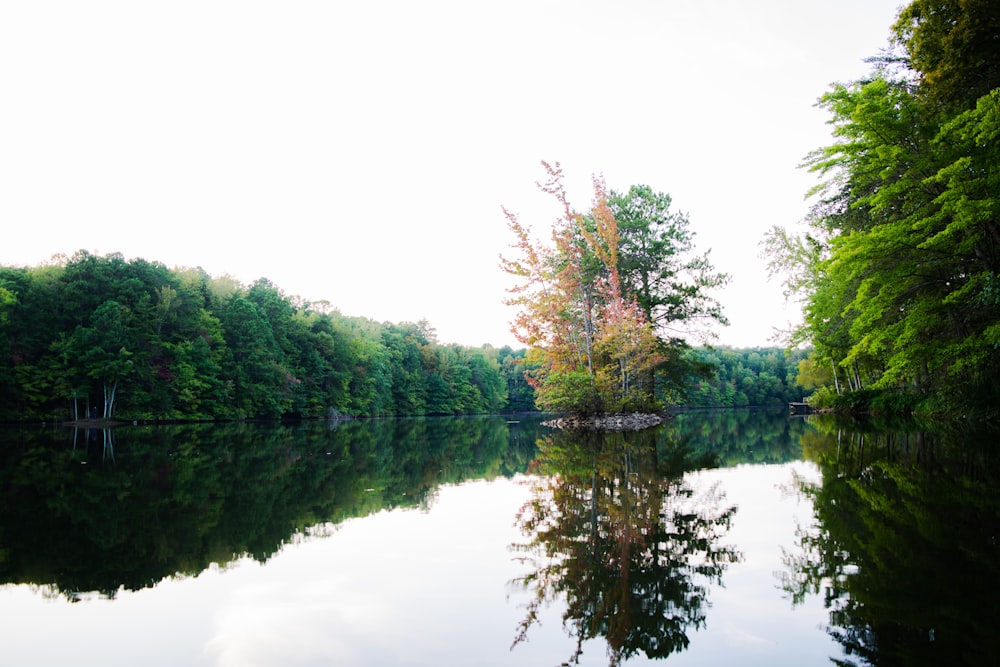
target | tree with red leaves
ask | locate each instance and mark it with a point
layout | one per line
(588, 344)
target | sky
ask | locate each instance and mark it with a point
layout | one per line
(359, 153)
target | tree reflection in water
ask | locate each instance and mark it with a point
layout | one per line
(104, 510)
(904, 543)
(615, 530)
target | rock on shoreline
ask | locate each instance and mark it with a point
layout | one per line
(635, 421)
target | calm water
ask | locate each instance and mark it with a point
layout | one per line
(722, 538)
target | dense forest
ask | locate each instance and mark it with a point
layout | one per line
(101, 336)
(751, 377)
(897, 269)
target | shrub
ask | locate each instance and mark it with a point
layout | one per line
(572, 392)
(822, 398)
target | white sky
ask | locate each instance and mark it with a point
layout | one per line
(360, 152)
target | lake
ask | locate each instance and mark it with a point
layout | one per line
(735, 537)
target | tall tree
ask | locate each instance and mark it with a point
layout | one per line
(662, 272)
(953, 46)
(260, 381)
(900, 278)
(659, 266)
(103, 349)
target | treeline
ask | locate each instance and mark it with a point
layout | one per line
(745, 377)
(101, 336)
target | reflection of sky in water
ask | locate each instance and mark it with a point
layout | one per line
(417, 588)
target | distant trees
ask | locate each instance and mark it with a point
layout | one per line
(748, 377)
(898, 271)
(598, 300)
(92, 336)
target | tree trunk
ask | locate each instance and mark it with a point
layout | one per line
(109, 398)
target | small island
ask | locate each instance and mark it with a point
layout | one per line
(635, 421)
(596, 301)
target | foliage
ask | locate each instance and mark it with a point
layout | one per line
(520, 394)
(746, 377)
(102, 337)
(902, 542)
(898, 271)
(598, 302)
(952, 44)
(658, 265)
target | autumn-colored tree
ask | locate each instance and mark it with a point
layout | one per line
(587, 342)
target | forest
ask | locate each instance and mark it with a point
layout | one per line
(897, 267)
(104, 337)
(749, 377)
(109, 338)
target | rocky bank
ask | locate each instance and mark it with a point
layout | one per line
(635, 421)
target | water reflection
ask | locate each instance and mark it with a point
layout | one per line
(615, 533)
(104, 510)
(737, 437)
(905, 544)
(91, 436)
(100, 510)
(627, 548)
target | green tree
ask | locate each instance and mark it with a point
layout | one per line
(520, 395)
(658, 265)
(103, 351)
(260, 382)
(952, 44)
(899, 270)
(668, 281)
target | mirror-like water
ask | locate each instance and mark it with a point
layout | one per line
(721, 538)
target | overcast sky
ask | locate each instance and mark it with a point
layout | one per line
(360, 152)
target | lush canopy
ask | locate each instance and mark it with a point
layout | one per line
(898, 270)
(755, 377)
(106, 337)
